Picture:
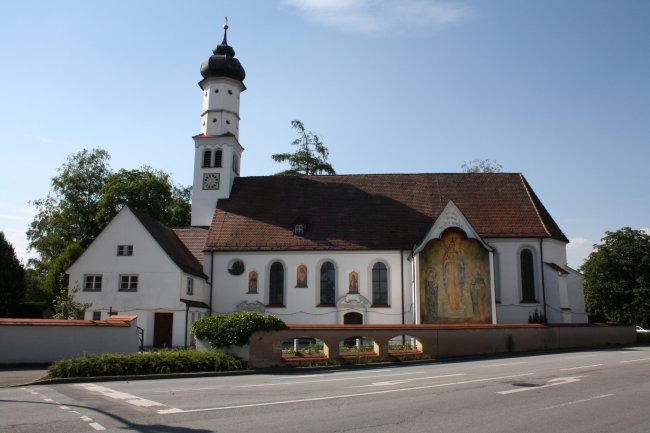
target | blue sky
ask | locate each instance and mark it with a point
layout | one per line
(556, 90)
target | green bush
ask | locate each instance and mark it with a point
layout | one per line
(164, 361)
(234, 329)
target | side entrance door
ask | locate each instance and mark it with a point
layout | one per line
(162, 329)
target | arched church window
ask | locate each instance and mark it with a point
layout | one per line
(379, 284)
(218, 156)
(327, 284)
(527, 276)
(207, 156)
(276, 285)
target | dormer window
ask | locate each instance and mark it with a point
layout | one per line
(125, 250)
(299, 229)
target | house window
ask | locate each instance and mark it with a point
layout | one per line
(190, 286)
(207, 157)
(527, 276)
(128, 283)
(299, 229)
(92, 283)
(327, 284)
(97, 315)
(379, 284)
(218, 157)
(276, 285)
(125, 250)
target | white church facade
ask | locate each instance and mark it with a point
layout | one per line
(438, 248)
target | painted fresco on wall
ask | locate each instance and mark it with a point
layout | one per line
(455, 280)
(252, 282)
(301, 276)
(353, 286)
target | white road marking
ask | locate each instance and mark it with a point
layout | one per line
(553, 382)
(319, 381)
(86, 418)
(336, 397)
(399, 382)
(635, 360)
(64, 407)
(338, 373)
(584, 400)
(580, 356)
(128, 398)
(582, 366)
(505, 364)
(48, 399)
(97, 426)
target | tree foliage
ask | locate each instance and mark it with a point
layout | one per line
(12, 279)
(309, 158)
(69, 212)
(86, 194)
(617, 277)
(56, 279)
(66, 308)
(148, 190)
(482, 166)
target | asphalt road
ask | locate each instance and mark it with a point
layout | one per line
(587, 391)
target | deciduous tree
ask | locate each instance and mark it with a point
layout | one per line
(617, 277)
(12, 279)
(482, 166)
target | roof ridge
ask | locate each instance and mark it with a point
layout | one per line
(539, 216)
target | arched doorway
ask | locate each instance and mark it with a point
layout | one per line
(353, 319)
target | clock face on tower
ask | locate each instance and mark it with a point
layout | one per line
(211, 181)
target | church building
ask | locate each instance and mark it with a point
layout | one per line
(434, 248)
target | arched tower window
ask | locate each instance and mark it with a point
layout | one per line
(527, 276)
(218, 156)
(276, 285)
(327, 284)
(207, 156)
(379, 284)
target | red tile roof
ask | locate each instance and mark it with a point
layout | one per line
(380, 211)
(194, 239)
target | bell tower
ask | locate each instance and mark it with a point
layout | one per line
(217, 151)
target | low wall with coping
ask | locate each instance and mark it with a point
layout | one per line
(43, 341)
(436, 341)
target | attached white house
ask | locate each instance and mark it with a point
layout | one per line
(139, 267)
(439, 248)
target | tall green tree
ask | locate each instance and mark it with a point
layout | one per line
(12, 279)
(309, 158)
(69, 212)
(56, 280)
(617, 277)
(482, 166)
(147, 190)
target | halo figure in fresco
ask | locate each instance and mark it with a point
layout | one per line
(453, 275)
(477, 290)
(431, 294)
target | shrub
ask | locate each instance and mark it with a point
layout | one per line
(234, 329)
(164, 361)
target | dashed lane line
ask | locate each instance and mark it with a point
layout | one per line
(581, 367)
(584, 400)
(94, 425)
(117, 395)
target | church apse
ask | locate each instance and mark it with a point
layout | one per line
(454, 280)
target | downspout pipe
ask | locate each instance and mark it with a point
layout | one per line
(211, 280)
(187, 313)
(541, 256)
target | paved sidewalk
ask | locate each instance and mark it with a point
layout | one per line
(20, 375)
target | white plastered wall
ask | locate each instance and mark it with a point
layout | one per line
(161, 284)
(301, 303)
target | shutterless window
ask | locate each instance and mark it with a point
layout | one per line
(207, 156)
(190, 286)
(527, 276)
(92, 283)
(125, 250)
(97, 315)
(327, 284)
(276, 285)
(379, 284)
(128, 283)
(218, 157)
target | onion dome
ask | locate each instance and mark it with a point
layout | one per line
(223, 62)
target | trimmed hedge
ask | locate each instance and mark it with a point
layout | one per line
(234, 329)
(164, 361)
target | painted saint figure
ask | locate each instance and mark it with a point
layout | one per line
(431, 294)
(301, 276)
(453, 275)
(252, 282)
(354, 282)
(477, 292)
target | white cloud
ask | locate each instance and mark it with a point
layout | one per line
(647, 230)
(577, 251)
(370, 17)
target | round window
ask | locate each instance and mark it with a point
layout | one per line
(236, 267)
